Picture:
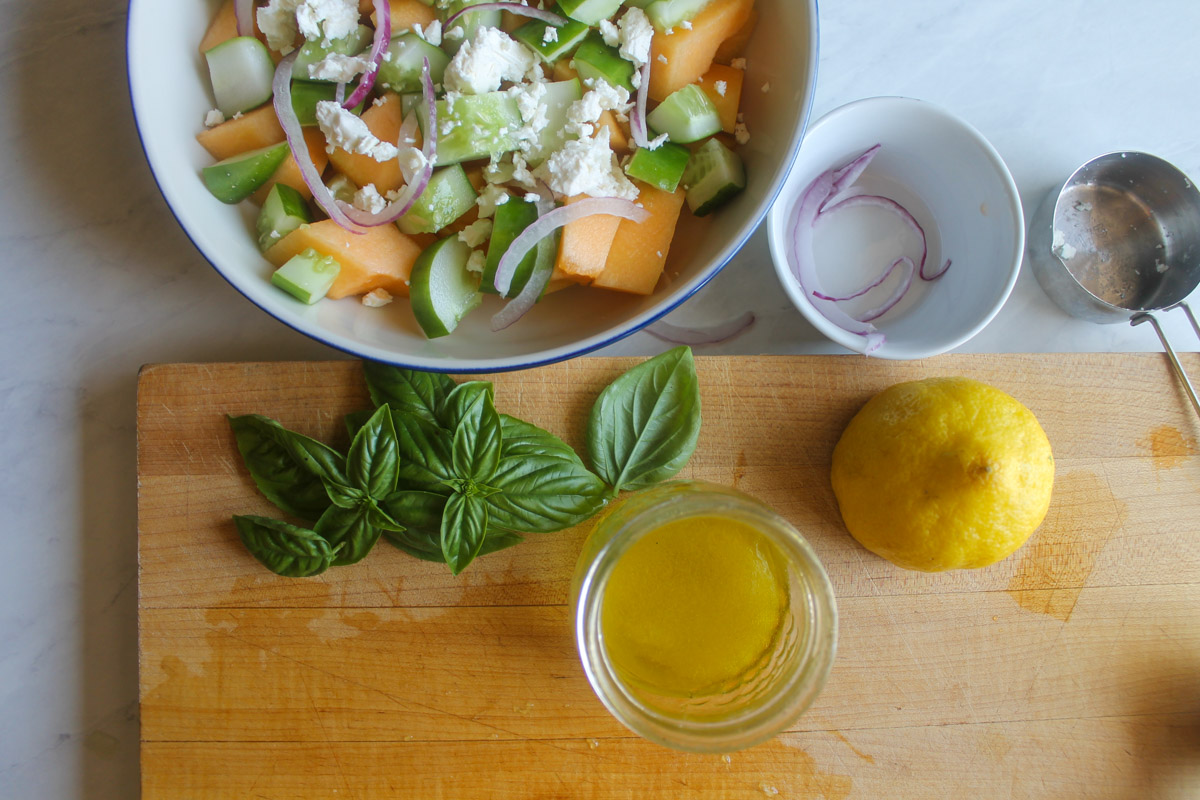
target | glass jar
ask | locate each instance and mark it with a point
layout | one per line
(776, 687)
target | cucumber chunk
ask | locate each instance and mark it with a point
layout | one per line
(556, 102)
(238, 177)
(714, 175)
(665, 14)
(306, 95)
(687, 115)
(241, 70)
(307, 276)
(283, 212)
(442, 289)
(314, 52)
(474, 126)
(637, 3)
(567, 37)
(662, 167)
(589, 12)
(404, 60)
(448, 196)
(469, 22)
(594, 59)
(511, 219)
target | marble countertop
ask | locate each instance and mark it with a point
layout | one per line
(101, 281)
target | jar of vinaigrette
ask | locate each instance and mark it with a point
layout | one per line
(703, 619)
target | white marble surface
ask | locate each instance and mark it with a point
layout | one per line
(101, 281)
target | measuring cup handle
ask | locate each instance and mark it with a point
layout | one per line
(1138, 319)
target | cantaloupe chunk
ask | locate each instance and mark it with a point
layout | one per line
(405, 13)
(384, 120)
(289, 171)
(222, 28)
(381, 258)
(617, 139)
(689, 53)
(562, 70)
(250, 131)
(639, 250)
(727, 102)
(735, 45)
(583, 248)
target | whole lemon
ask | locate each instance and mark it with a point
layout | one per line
(943, 473)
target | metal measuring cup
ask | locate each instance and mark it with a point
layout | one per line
(1119, 241)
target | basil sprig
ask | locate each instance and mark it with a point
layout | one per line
(439, 473)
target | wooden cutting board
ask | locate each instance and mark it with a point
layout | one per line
(1070, 670)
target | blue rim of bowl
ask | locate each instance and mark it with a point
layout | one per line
(755, 222)
(780, 260)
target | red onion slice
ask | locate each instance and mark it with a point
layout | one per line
(713, 334)
(889, 205)
(845, 177)
(542, 227)
(519, 9)
(413, 189)
(282, 86)
(878, 281)
(383, 35)
(637, 115)
(935, 275)
(244, 11)
(896, 295)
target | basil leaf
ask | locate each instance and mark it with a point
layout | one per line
(472, 416)
(464, 525)
(543, 485)
(356, 419)
(419, 544)
(344, 496)
(644, 426)
(286, 466)
(416, 509)
(285, 549)
(425, 461)
(350, 531)
(375, 456)
(408, 391)
(383, 520)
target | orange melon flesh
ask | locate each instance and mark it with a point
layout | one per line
(289, 171)
(381, 258)
(735, 45)
(406, 13)
(250, 131)
(384, 120)
(222, 28)
(689, 53)
(727, 104)
(583, 248)
(617, 139)
(639, 250)
(562, 70)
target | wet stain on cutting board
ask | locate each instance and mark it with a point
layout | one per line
(1058, 560)
(801, 777)
(1168, 446)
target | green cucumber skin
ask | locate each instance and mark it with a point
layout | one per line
(311, 53)
(589, 12)
(307, 276)
(306, 95)
(468, 22)
(235, 179)
(666, 14)
(470, 116)
(713, 177)
(429, 287)
(241, 72)
(403, 63)
(511, 218)
(569, 36)
(687, 115)
(448, 196)
(662, 167)
(595, 59)
(284, 211)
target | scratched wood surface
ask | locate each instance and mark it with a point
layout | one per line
(1070, 670)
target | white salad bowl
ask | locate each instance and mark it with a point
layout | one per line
(170, 93)
(956, 186)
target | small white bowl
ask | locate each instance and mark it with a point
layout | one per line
(956, 186)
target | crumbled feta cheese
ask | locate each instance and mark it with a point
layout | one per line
(533, 113)
(1160, 267)
(338, 68)
(369, 199)
(213, 118)
(476, 261)
(326, 20)
(669, 32)
(721, 87)
(610, 33)
(530, 197)
(686, 24)
(476, 233)
(521, 173)
(766, 87)
(454, 34)
(657, 142)
(585, 112)
(431, 34)
(636, 36)
(377, 298)
(491, 196)
(741, 133)
(343, 129)
(662, 59)
(488, 59)
(237, 115)
(550, 34)
(277, 21)
(412, 160)
(586, 166)
(738, 63)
